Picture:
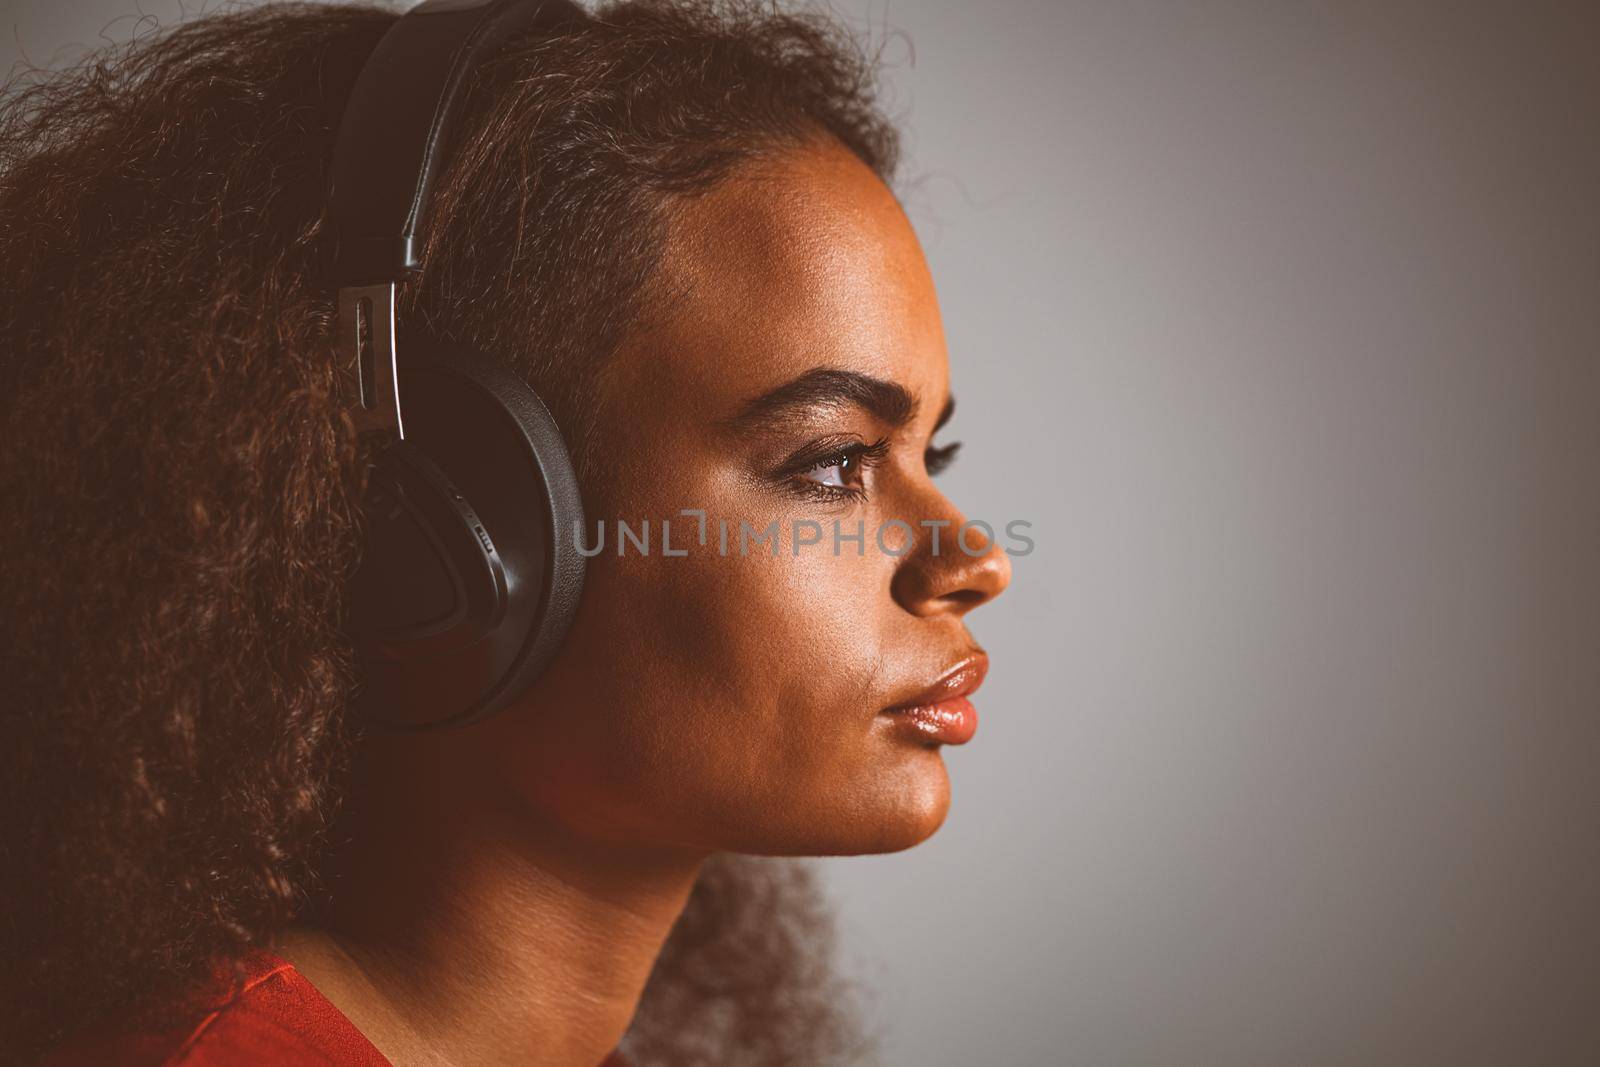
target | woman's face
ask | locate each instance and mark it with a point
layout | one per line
(738, 701)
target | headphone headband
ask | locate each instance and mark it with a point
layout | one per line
(392, 143)
(396, 129)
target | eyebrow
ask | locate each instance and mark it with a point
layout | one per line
(891, 403)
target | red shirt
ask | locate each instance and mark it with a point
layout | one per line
(277, 1017)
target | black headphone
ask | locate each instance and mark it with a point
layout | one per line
(466, 587)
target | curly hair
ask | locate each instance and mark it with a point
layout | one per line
(181, 481)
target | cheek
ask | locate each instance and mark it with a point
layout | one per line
(756, 665)
(727, 701)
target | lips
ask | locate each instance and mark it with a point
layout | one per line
(942, 713)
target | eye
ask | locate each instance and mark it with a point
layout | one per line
(838, 472)
(834, 471)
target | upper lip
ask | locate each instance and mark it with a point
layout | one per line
(961, 679)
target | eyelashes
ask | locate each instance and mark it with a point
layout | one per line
(938, 459)
(831, 470)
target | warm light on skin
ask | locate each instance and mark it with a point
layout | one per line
(731, 703)
(508, 886)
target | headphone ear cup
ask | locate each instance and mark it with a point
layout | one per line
(467, 585)
(431, 580)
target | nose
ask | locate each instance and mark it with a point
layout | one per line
(951, 569)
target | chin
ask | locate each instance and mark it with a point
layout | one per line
(890, 814)
(913, 812)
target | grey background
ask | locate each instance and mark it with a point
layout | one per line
(1281, 321)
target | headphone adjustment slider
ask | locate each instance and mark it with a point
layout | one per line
(367, 349)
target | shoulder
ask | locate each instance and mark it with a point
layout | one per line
(275, 1015)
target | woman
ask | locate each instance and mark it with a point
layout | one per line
(673, 220)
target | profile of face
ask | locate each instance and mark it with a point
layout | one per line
(740, 701)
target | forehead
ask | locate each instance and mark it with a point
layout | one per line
(798, 261)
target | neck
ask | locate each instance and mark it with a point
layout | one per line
(473, 933)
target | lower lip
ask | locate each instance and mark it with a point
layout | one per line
(949, 722)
